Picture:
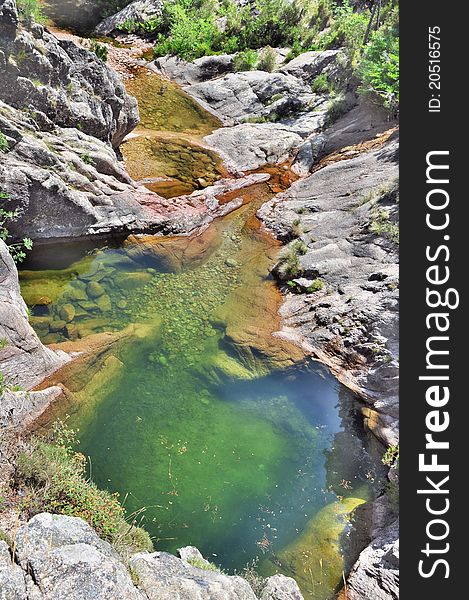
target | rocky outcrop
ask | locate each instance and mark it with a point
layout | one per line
(164, 577)
(376, 572)
(267, 116)
(62, 557)
(239, 96)
(309, 65)
(24, 361)
(270, 115)
(62, 83)
(279, 587)
(61, 110)
(200, 70)
(346, 214)
(65, 183)
(136, 12)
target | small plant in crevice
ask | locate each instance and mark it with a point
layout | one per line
(16, 249)
(289, 265)
(251, 575)
(4, 145)
(7, 386)
(321, 84)
(391, 456)
(203, 564)
(336, 108)
(86, 158)
(382, 225)
(101, 50)
(267, 60)
(316, 286)
(30, 11)
(247, 60)
(296, 229)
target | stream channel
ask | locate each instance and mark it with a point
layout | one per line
(231, 439)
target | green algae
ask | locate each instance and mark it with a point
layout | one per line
(182, 166)
(168, 164)
(163, 106)
(315, 559)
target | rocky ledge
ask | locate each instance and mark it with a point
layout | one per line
(344, 273)
(56, 557)
(24, 361)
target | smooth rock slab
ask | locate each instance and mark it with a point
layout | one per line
(164, 577)
(250, 146)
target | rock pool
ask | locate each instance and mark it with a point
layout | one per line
(219, 433)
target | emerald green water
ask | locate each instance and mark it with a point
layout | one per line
(234, 453)
(228, 437)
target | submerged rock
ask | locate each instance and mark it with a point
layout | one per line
(94, 289)
(67, 312)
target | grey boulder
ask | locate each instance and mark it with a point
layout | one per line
(280, 587)
(68, 561)
(138, 11)
(164, 577)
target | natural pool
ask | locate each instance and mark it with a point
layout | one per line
(246, 455)
(229, 437)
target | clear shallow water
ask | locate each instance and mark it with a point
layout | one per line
(227, 436)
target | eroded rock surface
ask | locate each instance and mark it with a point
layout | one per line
(60, 557)
(351, 322)
(376, 572)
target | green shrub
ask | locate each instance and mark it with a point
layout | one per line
(316, 286)
(86, 158)
(6, 386)
(267, 60)
(299, 247)
(297, 229)
(379, 67)
(101, 50)
(336, 108)
(321, 84)
(30, 10)
(188, 30)
(245, 61)
(348, 28)
(4, 146)
(391, 456)
(54, 475)
(289, 266)
(382, 225)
